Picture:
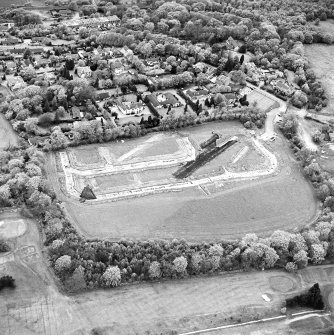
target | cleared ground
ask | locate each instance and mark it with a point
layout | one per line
(8, 137)
(227, 209)
(264, 102)
(261, 207)
(320, 57)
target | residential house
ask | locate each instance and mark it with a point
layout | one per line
(130, 107)
(197, 93)
(126, 52)
(15, 83)
(152, 62)
(12, 40)
(282, 87)
(10, 66)
(50, 77)
(161, 100)
(114, 20)
(39, 141)
(75, 113)
(84, 71)
(231, 98)
(100, 96)
(118, 67)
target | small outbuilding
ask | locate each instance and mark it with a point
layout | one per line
(87, 193)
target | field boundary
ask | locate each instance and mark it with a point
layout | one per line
(235, 325)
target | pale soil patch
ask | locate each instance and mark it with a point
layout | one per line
(12, 228)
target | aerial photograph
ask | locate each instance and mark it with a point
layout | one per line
(167, 167)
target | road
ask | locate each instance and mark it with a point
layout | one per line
(269, 127)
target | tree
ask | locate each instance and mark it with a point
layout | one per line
(180, 265)
(112, 276)
(154, 270)
(301, 259)
(318, 253)
(58, 140)
(63, 264)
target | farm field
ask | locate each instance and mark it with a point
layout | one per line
(320, 57)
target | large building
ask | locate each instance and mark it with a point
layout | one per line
(93, 22)
(129, 107)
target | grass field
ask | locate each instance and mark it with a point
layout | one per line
(326, 159)
(320, 57)
(262, 207)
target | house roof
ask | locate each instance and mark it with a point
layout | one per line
(196, 93)
(169, 99)
(229, 96)
(102, 95)
(128, 105)
(75, 112)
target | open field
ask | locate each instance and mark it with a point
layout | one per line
(264, 102)
(326, 158)
(320, 57)
(8, 137)
(37, 307)
(285, 202)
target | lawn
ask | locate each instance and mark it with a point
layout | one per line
(320, 57)
(264, 103)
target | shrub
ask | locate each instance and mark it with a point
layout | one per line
(4, 247)
(312, 299)
(7, 281)
(154, 270)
